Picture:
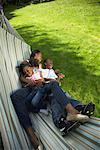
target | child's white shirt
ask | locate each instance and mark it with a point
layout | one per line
(49, 74)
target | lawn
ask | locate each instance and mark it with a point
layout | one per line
(68, 32)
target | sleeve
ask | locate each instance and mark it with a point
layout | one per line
(53, 75)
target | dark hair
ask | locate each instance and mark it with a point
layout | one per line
(34, 62)
(22, 65)
(34, 53)
(45, 61)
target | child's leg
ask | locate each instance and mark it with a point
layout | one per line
(37, 98)
(41, 93)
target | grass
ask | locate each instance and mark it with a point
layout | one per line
(68, 32)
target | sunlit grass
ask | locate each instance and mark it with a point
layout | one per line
(68, 32)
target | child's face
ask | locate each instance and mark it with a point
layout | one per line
(38, 57)
(49, 64)
(28, 71)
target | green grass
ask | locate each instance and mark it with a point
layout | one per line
(68, 32)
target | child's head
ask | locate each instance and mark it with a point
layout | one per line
(48, 63)
(37, 55)
(26, 69)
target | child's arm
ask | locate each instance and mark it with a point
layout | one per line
(26, 82)
(59, 74)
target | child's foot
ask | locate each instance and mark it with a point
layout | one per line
(66, 126)
(77, 117)
(44, 111)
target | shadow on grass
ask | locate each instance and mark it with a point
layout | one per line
(9, 10)
(78, 78)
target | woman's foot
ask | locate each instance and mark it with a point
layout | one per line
(70, 109)
(34, 139)
(40, 147)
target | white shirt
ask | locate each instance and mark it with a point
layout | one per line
(48, 74)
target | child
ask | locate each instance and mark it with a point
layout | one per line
(48, 73)
(32, 72)
(37, 55)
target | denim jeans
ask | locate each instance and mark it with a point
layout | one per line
(58, 110)
(51, 87)
(59, 99)
(18, 99)
(58, 102)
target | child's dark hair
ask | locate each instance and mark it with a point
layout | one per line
(22, 65)
(34, 53)
(45, 61)
(34, 63)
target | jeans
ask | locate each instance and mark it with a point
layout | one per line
(18, 99)
(58, 110)
(51, 87)
(58, 102)
(59, 99)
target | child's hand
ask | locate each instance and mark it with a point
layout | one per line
(31, 83)
(61, 76)
(57, 71)
(39, 82)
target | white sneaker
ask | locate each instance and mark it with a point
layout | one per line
(77, 117)
(44, 111)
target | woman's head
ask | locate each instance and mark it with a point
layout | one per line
(37, 55)
(48, 63)
(34, 63)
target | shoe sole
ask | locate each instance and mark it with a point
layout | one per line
(72, 127)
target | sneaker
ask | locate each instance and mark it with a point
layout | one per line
(66, 126)
(44, 111)
(88, 109)
(77, 117)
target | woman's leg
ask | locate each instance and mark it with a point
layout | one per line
(60, 96)
(18, 100)
(64, 101)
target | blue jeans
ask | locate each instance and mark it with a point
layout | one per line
(18, 99)
(59, 99)
(36, 98)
